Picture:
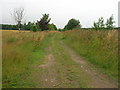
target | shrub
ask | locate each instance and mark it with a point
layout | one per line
(11, 39)
(110, 22)
(52, 27)
(72, 24)
(33, 27)
(99, 25)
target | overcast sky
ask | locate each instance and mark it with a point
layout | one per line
(86, 11)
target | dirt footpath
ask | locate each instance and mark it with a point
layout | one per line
(98, 79)
(63, 68)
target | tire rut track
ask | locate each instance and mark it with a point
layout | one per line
(98, 79)
(48, 76)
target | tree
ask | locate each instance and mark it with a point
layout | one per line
(33, 27)
(96, 25)
(110, 22)
(60, 29)
(44, 22)
(72, 24)
(18, 16)
(52, 27)
(27, 26)
(37, 27)
(9, 27)
(100, 24)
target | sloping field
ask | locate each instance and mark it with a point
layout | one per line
(51, 59)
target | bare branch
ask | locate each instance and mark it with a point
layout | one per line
(18, 15)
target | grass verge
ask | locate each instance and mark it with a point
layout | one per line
(98, 47)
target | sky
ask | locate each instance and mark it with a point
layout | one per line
(119, 14)
(60, 11)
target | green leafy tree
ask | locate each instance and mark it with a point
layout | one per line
(96, 25)
(37, 27)
(28, 26)
(14, 27)
(72, 24)
(60, 29)
(52, 27)
(110, 22)
(33, 27)
(8, 27)
(100, 24)
(44, 22)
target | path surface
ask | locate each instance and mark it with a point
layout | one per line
(63, 68)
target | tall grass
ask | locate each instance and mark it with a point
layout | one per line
(19, 53)
(98, 47)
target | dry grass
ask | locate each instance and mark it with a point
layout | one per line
(22, 50)
(19, 52)
(98, 47)
(14, 30)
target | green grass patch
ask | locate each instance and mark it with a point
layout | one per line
(68, 70)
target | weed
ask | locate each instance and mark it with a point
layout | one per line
(10, 39)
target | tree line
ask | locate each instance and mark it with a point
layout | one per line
(102, 25)
(44, 23)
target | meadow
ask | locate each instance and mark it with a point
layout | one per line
(98, 47)
(18, 56)
(26, 58)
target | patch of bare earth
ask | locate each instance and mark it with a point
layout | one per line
(48, 76)
(97, 78)
(49, 61)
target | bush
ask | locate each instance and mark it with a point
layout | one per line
(11, 39)
(110, 22)
(99, 25)
(72, 24)
(33, 27)
(52, 27)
